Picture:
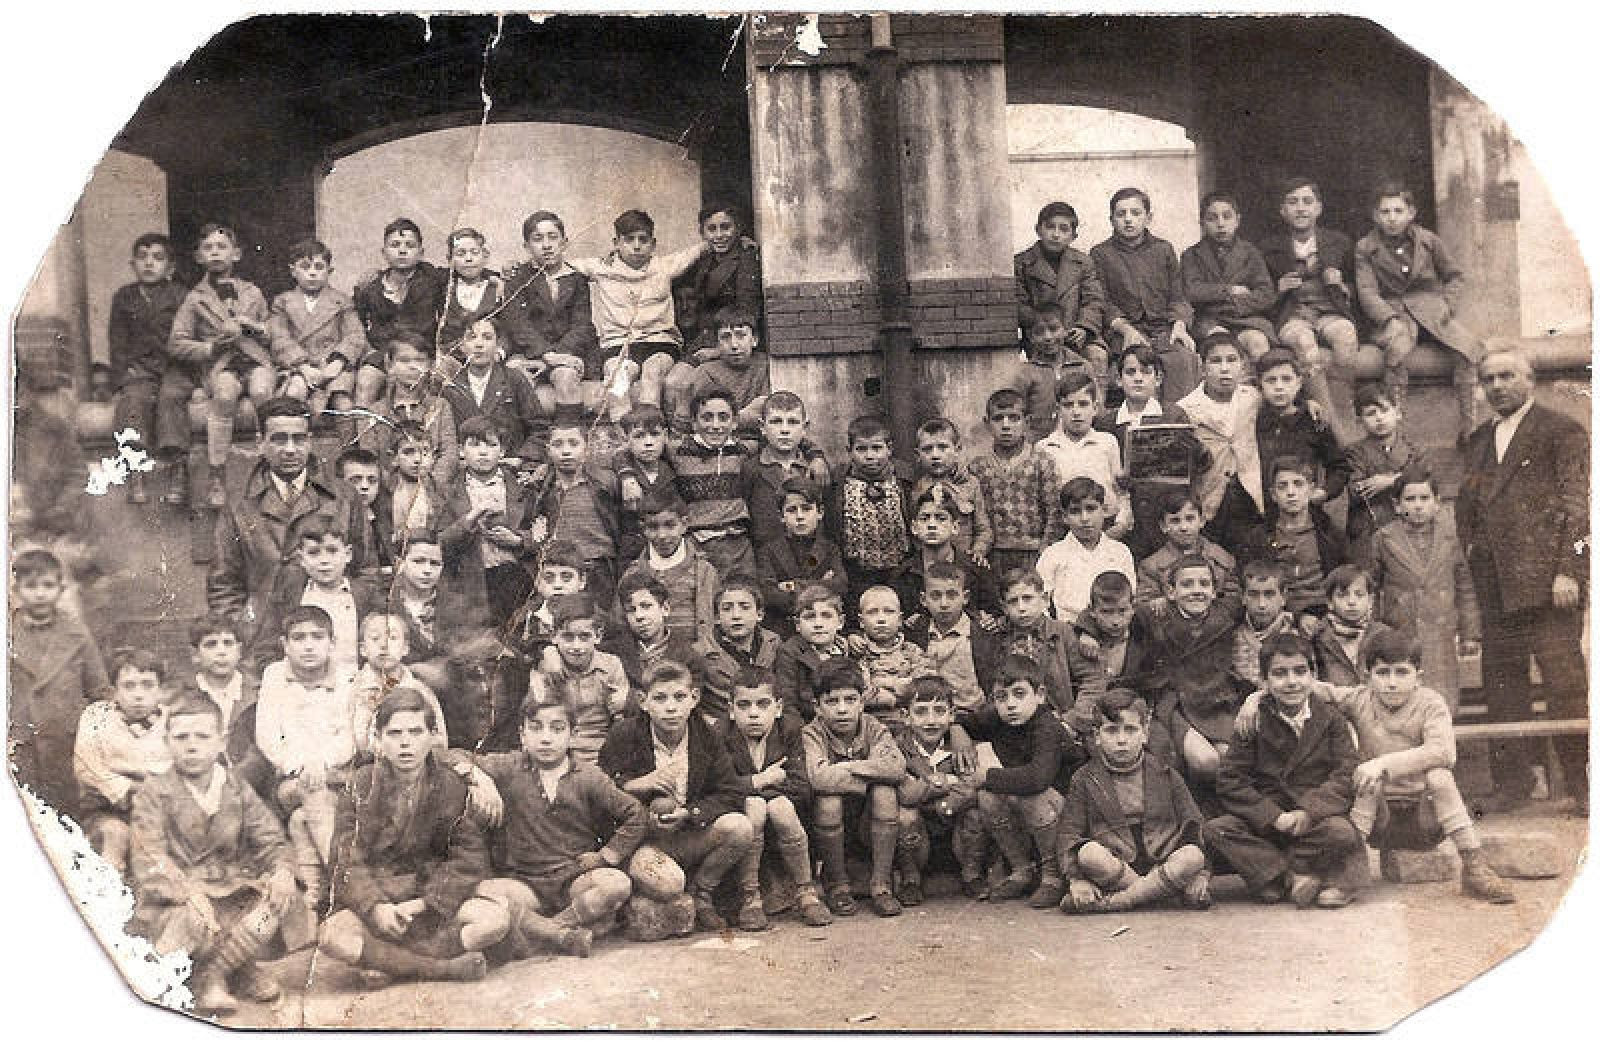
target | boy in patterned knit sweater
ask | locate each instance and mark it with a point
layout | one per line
(870, 509)
(672, 558)
(712, 479)
(1020, 488)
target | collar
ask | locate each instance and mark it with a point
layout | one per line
(289, 490)
(962, 627)
(1152, 409)
(325, 683)
(1296, 721)
(1144, 241)
(495, 479)
(767, 457)
(671, 751)
(670, 561)
(36, 624)
(728, 644)
(1515, 418)
(342, 587)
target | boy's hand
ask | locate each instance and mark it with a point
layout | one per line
(590, 861)
(671, 820)
(313, 778)
(473, 517)
(1084, 893)
(503, 537)
(280, 891)
(1088, 646)
(1294, 823)
(1238, 291)
(1077, 337)
(632, 492)
(387, 921)
(1369, 775)
(1332, 277)
(564, 360)
(1180, 336)
(1376, 484)
(484, 802)
(774, 775)
(230, 329)
(1308, 623)
(1248, 718)
(1290, 282)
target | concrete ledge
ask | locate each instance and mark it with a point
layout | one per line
(1531, 855)
(1404, 866)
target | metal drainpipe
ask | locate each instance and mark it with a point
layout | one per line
(894, 332)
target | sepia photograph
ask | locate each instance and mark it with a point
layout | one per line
(913, 521)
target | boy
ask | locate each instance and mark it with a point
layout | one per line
(870, 509)
(121, 741)
(319, 576)
(736, 642)
(1020, 487)
(959, 651)
(316, 335)
(1286, 791)
(1069, 567)
(784, 455)
(1181, 523)
(674, 763)
(646, 612)
(561, 571)
(1409, 286)
(1225, 278)
(1223, 410)
(140, 321)
(1046, 361)
(1311, 267)
(412, 399)
(802, 557)
(1265, 616)
(712, 475)
(210, 867)
(854, 766)
(1103, 630)
(1144, 290)
(818, 620)
(218, 655)
(1071, 681)
(416, 499)
(1077, 449)
(672, 558)
(939, 795)
(769, 760)
(565, 836)
(55, 671)
(1340, 637)
(593, 681)
(1130, 832)
(305, 727)
(1024, 780)
(1298, 534)
(406, 296)
(736, 365)
(933, 533)
(473, 292)
(640, 468)
(727, 277)
(1052, 272)
(219, 339)
(408, 859)
(1376, 462)
(889, 662)
(383, 670)
(633, 311)
(578, 502)
(1285, 426)
(549, 316)
(494, 527)
(939, 462)
(486, 386)
(362, 472)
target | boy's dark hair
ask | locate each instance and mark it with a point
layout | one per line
(212, 228)
(867, 427)
(1290, 464)
(140, 660)
(209, 625)
(1285, 643)
(1391, 646)
(411, 339)
(637, 581)
(402, 225)
(1073, 380)
(928, 688)
(317, 527)
(31, 564)
(464, 233)
(428, 537)
(1278, 357)
(195, 703)
(571, 607)
(282, 407)
(1128, 193)
(563, 553)
(531, 223)
(1372, 394)
(309, 247)
(1215, 340)
(634, 221)
(354, 457)
(1220, 196)
(1260, 570)
(642, 417)
(802, 486)
(144, 240)
(1393, 187)
(308, 613)
(555, 696)
(573, 423)
(939, 426)
(839, 674)
(755, 678)
(1145, 354)
(783, 400)
(1415, 474)
(1079, 490)
(739, 580)
(411, 432)
(1001, 399)
(1189, 560)
(946, 571)
(669, 670)
(734, 317)
(1117, 701)
(1014, 668)
(403, 699)
(1109, 585)
(1293, 182)
(478, 428)
(1056, 209)
(663, 499)
(816, 593)
(939, 496)
(1345, 576)
(1172, 502)
(705, 396)
(724, 207)
(1021, 577)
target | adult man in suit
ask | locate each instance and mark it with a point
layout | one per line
(1523, 516)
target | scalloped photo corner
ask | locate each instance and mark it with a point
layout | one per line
(779, 500)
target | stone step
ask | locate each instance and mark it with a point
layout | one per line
(1402, 866)
(1527, 854)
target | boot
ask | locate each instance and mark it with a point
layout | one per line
(830, 842)
(908, 861)
(752, 914)
(254, 984)
(1152, 887)
(1197, 893)
(177, 493)
(237, 952)
(1479, 881)
(1304, 889)
(706, 917)
(1015, 848)
(1051, 887)
(554, 935)
(396, 960)
(885, 834)
(210, 989)
(812, 912)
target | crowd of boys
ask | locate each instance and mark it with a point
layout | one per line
(488, 685)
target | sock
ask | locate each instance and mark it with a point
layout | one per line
(219, 439)
(1013, 845)
(911, 854)
(1466, 839)
(796, 855)
(1147, 889)
(830, 841)
(1044, 842)
(884, 833)
(243, 943)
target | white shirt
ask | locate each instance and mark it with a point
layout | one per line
(210, 798)
(1095, 455)
(340, 604)
(470, 295)
(226, 697)
(1227, 429)
(1069, 569)
(1152, 409)
(478, 385)
(300, 724)
(675, 762)
(289, 490)
(1506, 428)
(669, 562)
(311, 301)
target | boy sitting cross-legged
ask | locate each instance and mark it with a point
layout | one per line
(1130, 833)
(769, 759)
(854, 766)
(673, 761)
(210, 867)
(939, 795)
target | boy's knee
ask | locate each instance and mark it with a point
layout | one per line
(991, 804)
(755, 809)
(828, 811)
(1097, 862)
(782, 814)
(885, 804)
(1201, 756)
(733, 828)
(614, 886)
(910, 820)
(1186, 862)
(342, 936)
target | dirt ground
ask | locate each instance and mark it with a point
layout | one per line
(957, 965)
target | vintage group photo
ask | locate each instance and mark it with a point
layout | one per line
(805, 522)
